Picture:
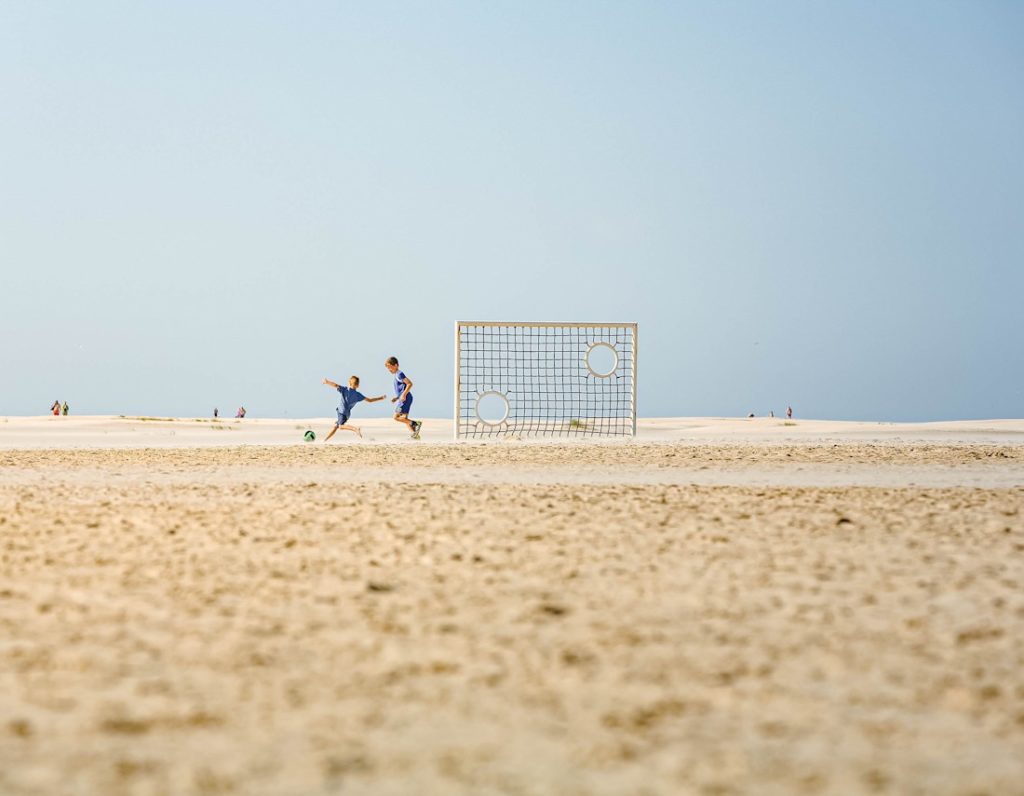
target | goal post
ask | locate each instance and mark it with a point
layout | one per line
(518, 379)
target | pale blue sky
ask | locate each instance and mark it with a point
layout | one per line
(210, 204)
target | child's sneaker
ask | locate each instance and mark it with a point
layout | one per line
(416, 426)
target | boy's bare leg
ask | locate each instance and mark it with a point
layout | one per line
(404, 419)
(355, 429)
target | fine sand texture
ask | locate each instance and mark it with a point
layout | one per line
(141, 431)
(722, 613)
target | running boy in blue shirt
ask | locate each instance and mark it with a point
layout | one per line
(403, 397)
(350, 396)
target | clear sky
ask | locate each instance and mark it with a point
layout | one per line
(213, 204)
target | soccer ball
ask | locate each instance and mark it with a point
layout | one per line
(309, 436)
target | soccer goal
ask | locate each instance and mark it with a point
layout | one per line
(545, 379)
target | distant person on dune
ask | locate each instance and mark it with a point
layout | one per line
(403, 397)
(350, 396)
(789, 411)
(216, 413)
(55, 408)
(64, 409)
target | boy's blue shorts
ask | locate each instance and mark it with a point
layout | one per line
(342, 419)
(404, 407)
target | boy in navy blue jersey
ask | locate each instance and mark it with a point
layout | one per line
(350, 396)
(403, 397)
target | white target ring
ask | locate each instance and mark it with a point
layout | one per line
(600, 365)
(492, 400)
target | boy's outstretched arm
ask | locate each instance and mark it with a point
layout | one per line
(378, 398)
(330, 383)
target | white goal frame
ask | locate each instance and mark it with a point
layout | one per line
(542, 372)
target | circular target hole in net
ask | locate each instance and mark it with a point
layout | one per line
(602, 359)
(492, 408)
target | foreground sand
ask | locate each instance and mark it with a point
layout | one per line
(639, 618)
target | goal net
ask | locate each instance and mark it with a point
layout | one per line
(545, 379)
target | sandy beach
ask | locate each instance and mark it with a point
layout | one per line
(717, 607)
